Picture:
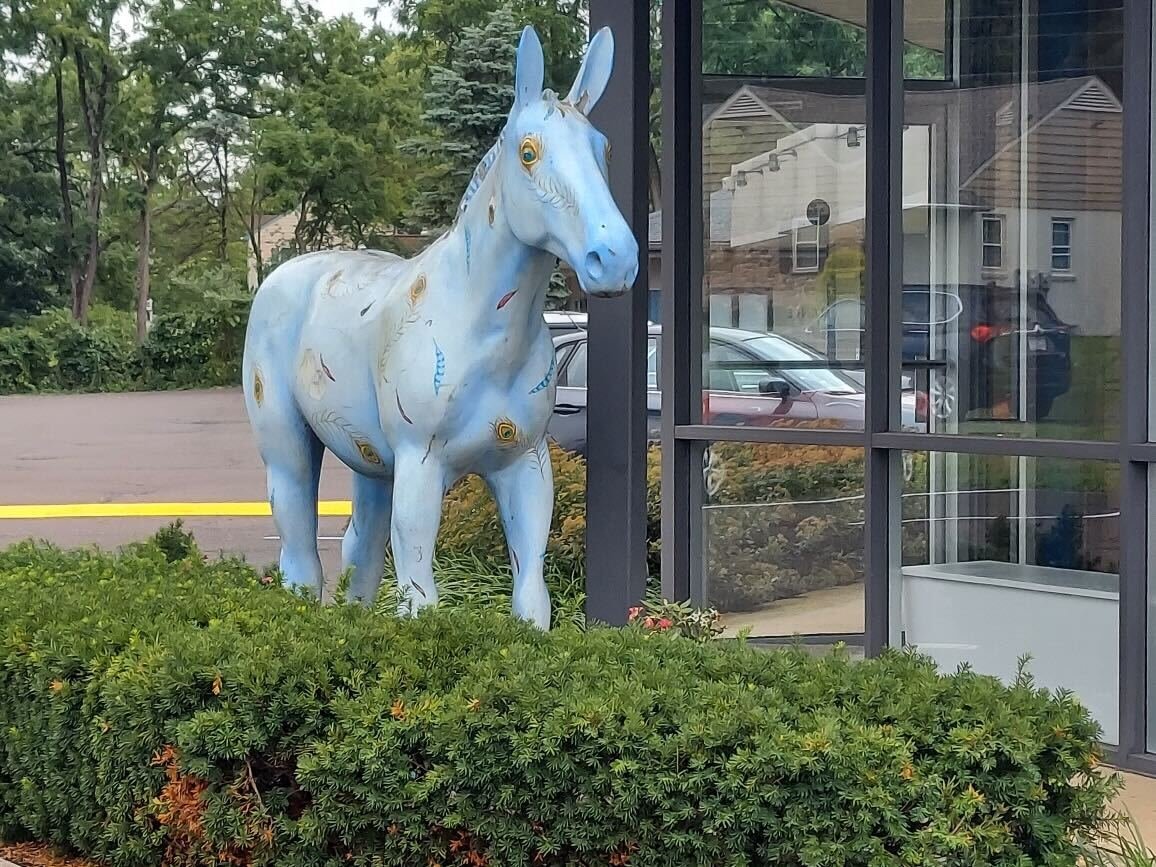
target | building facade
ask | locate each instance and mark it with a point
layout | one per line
(938, 213)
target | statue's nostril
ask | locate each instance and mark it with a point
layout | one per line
(595, 267)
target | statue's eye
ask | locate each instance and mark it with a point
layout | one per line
(530, 152)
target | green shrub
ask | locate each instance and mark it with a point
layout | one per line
(198, 346)
(28, 361)
(52, 352)
(471, 529)
(183, 713)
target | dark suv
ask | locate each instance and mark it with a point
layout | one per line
(965, 342)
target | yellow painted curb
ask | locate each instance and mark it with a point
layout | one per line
(325, 508)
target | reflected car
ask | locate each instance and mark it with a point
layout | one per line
(561, 322)
(753, 379)
(967, 339)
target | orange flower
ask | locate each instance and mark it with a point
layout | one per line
(665, 623)
(633, 613)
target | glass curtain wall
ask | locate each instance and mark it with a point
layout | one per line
(1011, 315)
(991, 513)
(783, 188)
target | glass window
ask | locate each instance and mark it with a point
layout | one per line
(783, 538)
(573, 375)
(808, 38)
(1061, 245)
(652, 363)
(1012, 207)
(1004, 558)
(784, 173)
(806, 249)
(993, 242)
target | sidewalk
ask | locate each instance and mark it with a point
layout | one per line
(1139, 799)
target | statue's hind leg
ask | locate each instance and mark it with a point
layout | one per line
(366, 537)
(292, 455)
(293, 469)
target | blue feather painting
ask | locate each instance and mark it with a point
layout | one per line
(545, 383)
(439, 368)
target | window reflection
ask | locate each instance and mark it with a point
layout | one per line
(783, 538)
(784, 172)
(1011, 200)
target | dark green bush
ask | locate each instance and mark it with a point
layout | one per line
(184, 713)
(27, 361)
(198, 346)
(52, 352)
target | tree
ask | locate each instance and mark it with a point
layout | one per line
(466, 106)
(31, 251)
(330, 150)
(179, 77)
(163, 93)
(439, 29)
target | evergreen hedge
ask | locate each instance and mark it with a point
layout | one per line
(159, 709)
(196, 347)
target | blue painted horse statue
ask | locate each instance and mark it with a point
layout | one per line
(416, 372)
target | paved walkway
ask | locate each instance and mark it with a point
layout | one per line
(174, 447)
(1140, 801)
(821, 612)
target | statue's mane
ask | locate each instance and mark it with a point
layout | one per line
(479, 175)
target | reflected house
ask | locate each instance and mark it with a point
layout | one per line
(768, 154)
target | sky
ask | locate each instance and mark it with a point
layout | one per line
(337, 8)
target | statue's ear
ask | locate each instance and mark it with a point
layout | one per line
(594, 73)
(529, 69)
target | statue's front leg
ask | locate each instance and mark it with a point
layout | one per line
(524, 492)
(418, 490)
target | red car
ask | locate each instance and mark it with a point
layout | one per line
(753, 380)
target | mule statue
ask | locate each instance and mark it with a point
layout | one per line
(416, 372)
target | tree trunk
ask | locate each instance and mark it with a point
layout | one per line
(655, 180)
(94, 112)
(94, 201)
(144, 250)
(68, 228)
(255, 243)
(222, 159)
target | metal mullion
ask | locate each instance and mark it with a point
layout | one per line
(1141, 452)
(1004, 446)
(1134, 386)
(707, 433)
(884, 242)
(682, 269)
(616, 421)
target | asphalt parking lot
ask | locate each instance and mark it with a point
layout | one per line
(143, 452)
